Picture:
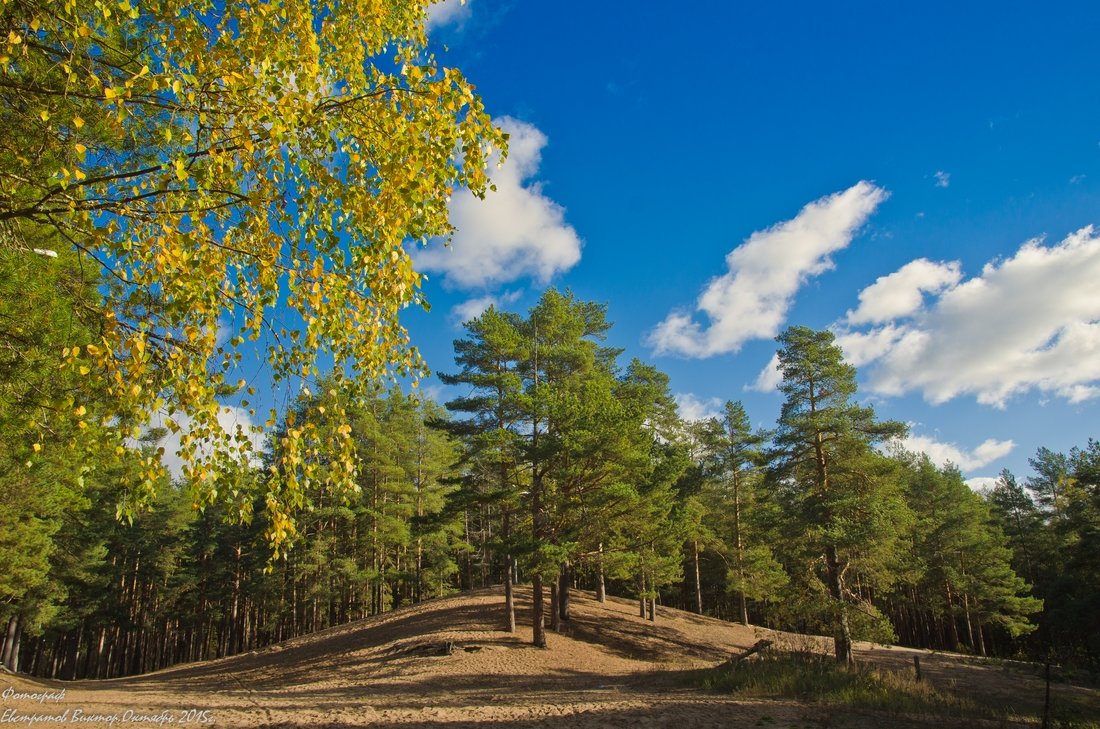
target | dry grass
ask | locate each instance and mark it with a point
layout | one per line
(817, 679)
(608, 668)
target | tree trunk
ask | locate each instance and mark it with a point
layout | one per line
(739, 550)
(538, 632)
(468, 567)
(555, 612)
(72, 661)
(842, 633)
(509, 597)
(641, 595)
(418, 588)
(601, 586)
(99, 662)
(10, 657)
(15, 649)
(952, 624)
(698, 581)
(563, 591)
(969, 624)
(509, 574)
(235, 611)
(538, 629)
(538, 636)
(9, 641)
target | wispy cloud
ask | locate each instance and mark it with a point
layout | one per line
(448, 12)
(1030, 322)
(232, 419)
(475, 307)
(692, 408)
(982, 484)
(750, 300)
(515, 232)
(769, 378)
(943, 179)
(901, 293)
(967, 460)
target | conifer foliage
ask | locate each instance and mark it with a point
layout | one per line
(842, 495)
(556, 466)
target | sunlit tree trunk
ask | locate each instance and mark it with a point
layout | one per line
(563, 590)
(698, 579)
(601, 586)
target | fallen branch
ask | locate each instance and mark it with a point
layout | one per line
(759, 646)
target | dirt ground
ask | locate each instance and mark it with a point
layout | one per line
(608, 669)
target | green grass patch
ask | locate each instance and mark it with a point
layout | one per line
(818, 679)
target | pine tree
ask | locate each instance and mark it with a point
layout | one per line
(961, 574)
(733, 461)
(844, 501)
(489, 360)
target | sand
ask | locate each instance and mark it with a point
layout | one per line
(608, 668)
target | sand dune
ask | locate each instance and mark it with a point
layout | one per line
(447, 663)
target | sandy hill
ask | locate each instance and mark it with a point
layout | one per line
(447, 663)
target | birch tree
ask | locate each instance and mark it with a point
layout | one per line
(240, 177)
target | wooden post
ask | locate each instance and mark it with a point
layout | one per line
(916, 665)
(1046, 702)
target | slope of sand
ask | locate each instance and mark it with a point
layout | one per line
(609, 668)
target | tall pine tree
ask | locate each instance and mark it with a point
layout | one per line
(844, 502)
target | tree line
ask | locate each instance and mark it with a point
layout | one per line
(558, 466)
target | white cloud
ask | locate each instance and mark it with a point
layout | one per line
(863, 347)
(982, 484)
(231, 418)
(448, 12)
(472, 308)
(942, 453)
(902, 292)
(750, 300)
(514, 232)
(943, 179)
(1031, 322)
(692, 408)
(769, 378)
(224, 333)
(475, 307)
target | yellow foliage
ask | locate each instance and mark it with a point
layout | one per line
(207, 192)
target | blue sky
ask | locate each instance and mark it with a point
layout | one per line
(919, 179)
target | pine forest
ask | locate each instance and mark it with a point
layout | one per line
(563, 467)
